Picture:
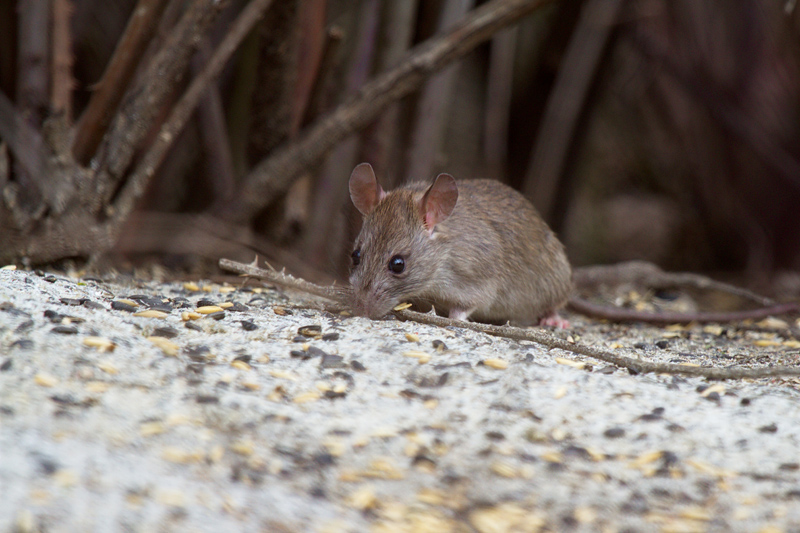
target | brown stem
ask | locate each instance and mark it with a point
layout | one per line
(183, 110)
(620, 314)
(111, 88)
(538, 336)
(434, 102)
(567, 101)
(133, 121)
(61, 46)
(498, 103)
(275, 173)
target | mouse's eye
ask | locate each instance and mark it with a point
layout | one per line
(356, 255)
(397, 264)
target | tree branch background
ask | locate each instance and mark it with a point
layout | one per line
(180, 131)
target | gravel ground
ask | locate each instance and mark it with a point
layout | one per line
(273, 416)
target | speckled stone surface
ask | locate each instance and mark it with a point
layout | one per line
(252, 421)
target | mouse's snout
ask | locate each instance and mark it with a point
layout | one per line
(368, 302)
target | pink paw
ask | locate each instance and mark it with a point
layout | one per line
(554, 320)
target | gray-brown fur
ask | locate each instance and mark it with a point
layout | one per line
(493, 257)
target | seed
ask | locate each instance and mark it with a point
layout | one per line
(208, 309)
(241, 365)
(107, 367)
(45, 380)
(498, 364)
(167, 346)
(191, 286)
(310, 396)
(412, 337)
(402, 307)
(102, 344)
(190, 315)
(579, 365)
(151, 313)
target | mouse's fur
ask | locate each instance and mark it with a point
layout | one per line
(490, 257)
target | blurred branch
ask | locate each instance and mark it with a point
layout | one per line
(331, 188)
(398, 22)
(111, 88)
(133, 121)
(182, 111)
(24, 141)
(274, 174)
(725, 112)
(498, 102)
(32, 66)
(62, 59)
(311, 51)
(567, 101)
(431, 115)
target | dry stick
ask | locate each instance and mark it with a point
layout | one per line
(274, 174)
(183, 110)
(650, 275)
(62, 59)
(434, 103)
(534, 335)
(331, 187)
(312, 15)
(137, 115)
(109, 90)
(498, 102)
(398, 21)
(566, 102)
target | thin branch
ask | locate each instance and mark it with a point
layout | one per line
(136, 117)
(183, 110)
(62, 59)
(566, 102)
(434, 103)
(24, 140)
(110, 89)
(539, 336)
(274, 174)
(498, 103)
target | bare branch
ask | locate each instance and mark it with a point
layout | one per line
(183, 110)
(61, 46)
(567, 101)
(138, 114)
(24, 141)
(274, 174)
(110, 89)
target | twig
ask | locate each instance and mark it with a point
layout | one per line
(649, 275)
(534, 335)
(620, 314)
(434, 102)
(137, 115)
(182, 110)
(637, 365)
(274, 174)
(62, 59)
(498, 103)
(337, 294)
(567, 101)
(110, 89)
(331, 188)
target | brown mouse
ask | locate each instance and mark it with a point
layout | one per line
(473, 249)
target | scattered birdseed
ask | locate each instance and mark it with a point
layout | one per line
(313, 331)
(243, 447)
(334, 336)
(421, 357)
(167, 346)
(193, 326)
(306, 397)
(282, 374)
(219, 315)
(190, 315)
(45, 380)
(208, 309)
(505, 517)
(412, 337)
(251, 385)
(226, 305)
(127, 302)
(281, 311)
(440, 346)
(363, 498)
(71, 301)
(552, 456)
(249, 325)
(107, 367)
(719, 388)
(191, 286)
(97, 387)
(495, 363)
(241, 365)
(578, 365)
(100, 343)
(148, 429)
(166, 332)
(402, 307)
(560, 392)
(9, 267)
(504, 469)
(171, 497)
(151, 313)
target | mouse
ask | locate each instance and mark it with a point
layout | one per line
(473, 249)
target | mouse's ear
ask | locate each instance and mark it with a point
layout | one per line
(365, 191)
(439, 200)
